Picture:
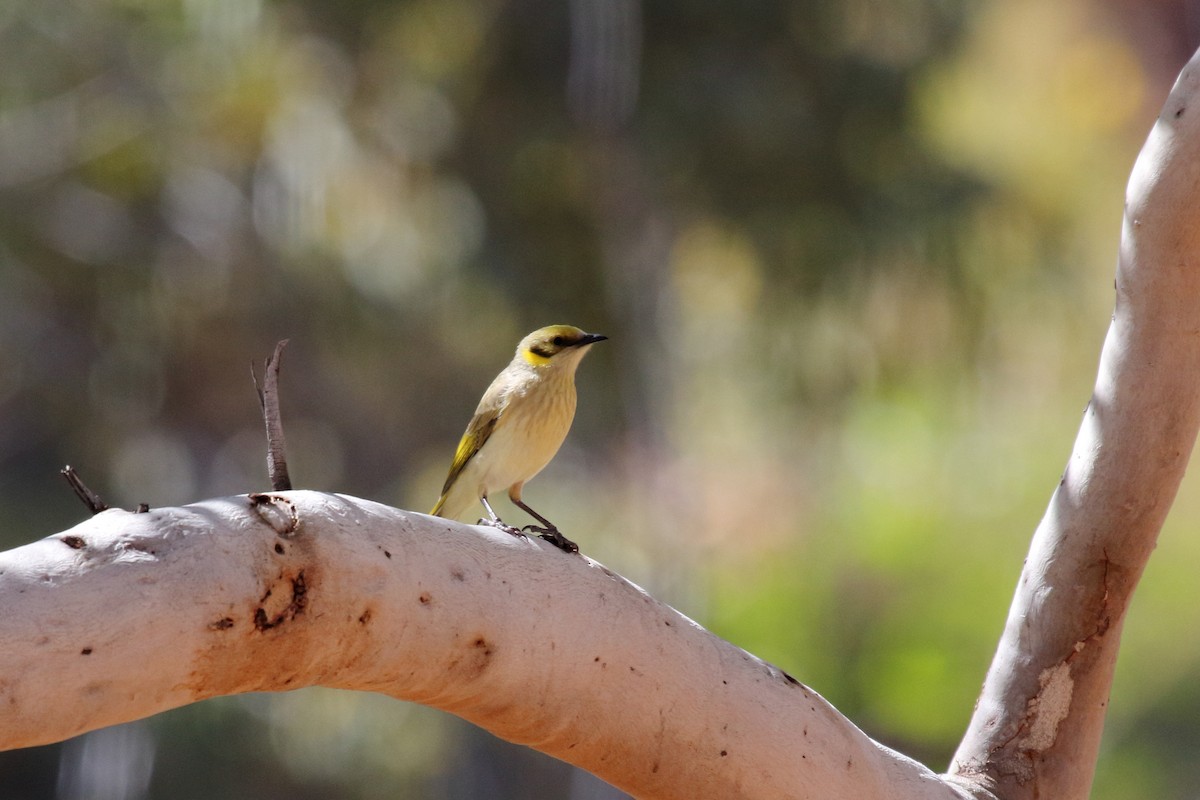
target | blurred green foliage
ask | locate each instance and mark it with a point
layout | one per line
(855, 260)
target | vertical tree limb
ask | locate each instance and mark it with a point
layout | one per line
(1036, 729)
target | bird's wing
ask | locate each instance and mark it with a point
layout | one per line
(478, 431)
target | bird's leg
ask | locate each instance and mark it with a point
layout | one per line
(495, 521)
(548, 531)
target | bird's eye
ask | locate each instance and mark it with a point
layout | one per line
(559, 341)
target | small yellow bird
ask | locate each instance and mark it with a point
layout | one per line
(518, 427)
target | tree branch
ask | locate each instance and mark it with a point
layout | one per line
(127, 615)
(1036, 729)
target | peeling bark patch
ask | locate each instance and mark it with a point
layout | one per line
(294, 608)
(425, 598)
(724, 753)
(223, 624)
(137, 547)
(386, 553)
(1044, 712)
(87, 651)
(364, 617)
(278, 512)
(74, 542)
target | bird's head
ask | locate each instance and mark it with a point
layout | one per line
(557, 345)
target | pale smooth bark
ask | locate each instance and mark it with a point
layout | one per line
(1036, 729)
(127, 615)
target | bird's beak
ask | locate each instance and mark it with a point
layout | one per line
(590, 338)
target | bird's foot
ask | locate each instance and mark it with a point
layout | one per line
(504, 526)
(554, 537)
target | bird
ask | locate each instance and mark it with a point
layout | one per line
(517, 429)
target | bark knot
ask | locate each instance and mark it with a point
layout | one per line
(294, 606)
(278, 512)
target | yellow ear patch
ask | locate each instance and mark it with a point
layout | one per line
(536, 359)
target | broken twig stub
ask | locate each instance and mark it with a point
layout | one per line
(268, 400)
(89, 498)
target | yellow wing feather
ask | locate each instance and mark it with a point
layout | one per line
(478, 431)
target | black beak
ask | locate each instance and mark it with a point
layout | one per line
(590, 338)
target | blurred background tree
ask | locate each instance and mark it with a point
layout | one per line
(855, 260)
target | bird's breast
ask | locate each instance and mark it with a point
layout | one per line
(530, 431)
